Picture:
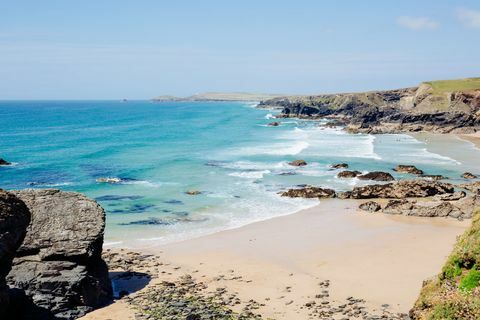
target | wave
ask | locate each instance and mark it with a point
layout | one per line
(269, 116)
(250, 174)
(275, 149)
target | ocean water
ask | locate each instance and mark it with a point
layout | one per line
(223, 149)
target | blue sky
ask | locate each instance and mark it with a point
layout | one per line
(111, 49)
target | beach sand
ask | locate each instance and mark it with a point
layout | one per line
(280, 262)
(472, 137)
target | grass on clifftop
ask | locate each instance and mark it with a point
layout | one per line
(442, 86)
(455, 294)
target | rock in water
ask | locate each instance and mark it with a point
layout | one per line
(4, 162)
(14, 220)
(339, 166)
(348, 174)
(59, 264)
(400, 189)
(408, 169)
(274, 124)
(309, 192)
(376, 176)
(469, 175)
(298, 163)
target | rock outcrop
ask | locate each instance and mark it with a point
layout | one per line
(348, 174)
(370, 206)
(59, 264)
(298, 163)
(400, 189)
(469, 175)
(408, 169)
(339, 166)
(4, 162)
(14, 220)
(309, 192)
(376, 176)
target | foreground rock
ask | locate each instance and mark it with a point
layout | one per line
(59, 264)
(370, 206)
(14, 220)
(298, 163)
(408, 169)
(309, 192)
(4, 162)
(376, 176)
(469, 175)
(399, 189)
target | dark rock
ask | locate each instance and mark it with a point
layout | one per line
(4, 162)
(376, 176)
(273, 124)
(348, 174)
(298, 163)
(370, 206)
(193, 192)
(14, 220)
(408, 169)
(400, 189)
(59, 264)
(469, 175)
(397, 206)
(309, 192)
(339, 166)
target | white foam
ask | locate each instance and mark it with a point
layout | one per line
(250, 174)
(277, 149)
(269, 116)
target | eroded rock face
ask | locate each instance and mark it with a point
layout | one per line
(14, 220)
(59, 264)
(309, 192)
(400, 189)
(408, 169)
(376, 176)
(348, 174)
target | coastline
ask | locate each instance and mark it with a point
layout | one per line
(472, 137)
(308, 247)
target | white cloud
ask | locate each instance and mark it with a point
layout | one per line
(469, 18)
(417, 23)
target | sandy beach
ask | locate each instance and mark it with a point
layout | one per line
(472, 137)
(280, 262)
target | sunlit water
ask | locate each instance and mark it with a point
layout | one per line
(225, 150)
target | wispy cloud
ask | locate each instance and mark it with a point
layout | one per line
(469, 18)
(417, 23)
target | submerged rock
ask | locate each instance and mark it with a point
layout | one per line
(348, 174)
(469, 175)
(59, 264)
(400, 189)
(408, 169)
(370, 206)
(339, 166)
(112, 180)
(14, 220)
(193, 192)
(309, 192)
(273, 124)
(298, 163)
(376, 176)
(4, 162)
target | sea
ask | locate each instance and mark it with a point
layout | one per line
(155, 152)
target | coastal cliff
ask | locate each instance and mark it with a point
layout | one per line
(448, 106)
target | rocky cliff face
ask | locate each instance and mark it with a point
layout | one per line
(59, 266)
(442, 106)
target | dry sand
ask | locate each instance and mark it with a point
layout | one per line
(382, 259)
(472, 137)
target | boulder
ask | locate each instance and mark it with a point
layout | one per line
(398, 206)
(468, 204)
(309, 192)
(4, 162)
(298, 163)
(469, 175)
(423, 209)
(14, 220)
(400, 189)
(193, 192)
(339, 166)
(370, 206)
(59, 265)
(273, 124)
(376, 176)
(408, 169)
(348, 174)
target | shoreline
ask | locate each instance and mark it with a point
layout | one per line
(308, 247)
(471, 137)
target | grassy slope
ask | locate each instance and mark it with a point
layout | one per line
(443, 86)
(455, 294)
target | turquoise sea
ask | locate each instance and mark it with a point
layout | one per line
(223, 149)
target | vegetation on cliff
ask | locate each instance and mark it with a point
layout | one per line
(455, 293)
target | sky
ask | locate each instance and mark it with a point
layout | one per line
(113, 49)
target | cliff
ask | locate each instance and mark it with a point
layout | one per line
(440, 106)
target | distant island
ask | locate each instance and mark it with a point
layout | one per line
(220, 96)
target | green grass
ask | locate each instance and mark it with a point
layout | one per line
(443, 86)
(470, 281)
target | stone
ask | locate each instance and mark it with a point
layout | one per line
(469, 175)
(309, 192)
(193, 192)
(14, 220)
(451, 196)
(298, 163)
(408, 169)
(273, 124)
(59, 265)
(400, 189)
(376, 176)
(4, 162)
(370, 206)
(348, 174)
(339, 166)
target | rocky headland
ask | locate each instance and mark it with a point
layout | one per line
(449, 106)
